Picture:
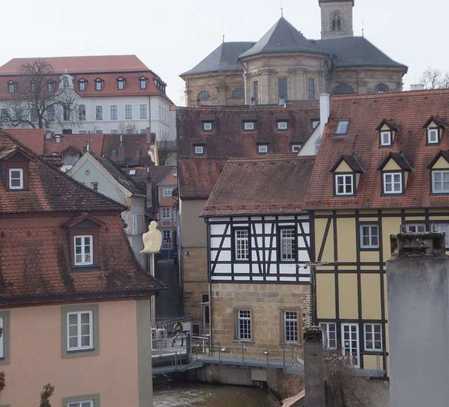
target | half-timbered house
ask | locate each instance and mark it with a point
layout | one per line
(259, 251)
(383, 165)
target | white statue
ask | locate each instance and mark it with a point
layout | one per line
(152, 240)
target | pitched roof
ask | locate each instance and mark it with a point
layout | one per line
(223, 59)
(128, 149)
(409, 110)
(228, 139)
(351, 160)
(282, 37)
(399, 158)
(159, 172)
(49, 189)
(77, 142)
(197, 177)
(275, 185)
(80, 64)
(31, 138)
(353, 52)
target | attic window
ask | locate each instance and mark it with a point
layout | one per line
(342, 128)
(386, 138)
(121, 82)
(249, 125)
(282, 125)
(12, 87)
(199, 149)
(262, 148)
(208, 125)
(296, 148)
(15, 179)
(392, 183)
(433, 135)
(99, 84)
(143, 82)
(82, 84)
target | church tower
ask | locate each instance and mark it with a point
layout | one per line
(336, 18)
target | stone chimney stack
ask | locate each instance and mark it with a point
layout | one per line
(418, 319)
(336, 18)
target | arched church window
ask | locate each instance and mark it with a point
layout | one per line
(336, 22)
(381, 88)
(203, 96)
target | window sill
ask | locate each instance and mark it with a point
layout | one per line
(69, 354)
(88, 268)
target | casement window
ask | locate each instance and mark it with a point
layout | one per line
(342, 128)
(114, 112)
(414, 228)
(167, 192)
(143, 82)
(15, 179)
(121, 82)
(203, 96)
(288, 247)
(262, 149)
(296, 148)
(12, 87)
(344, 184)
(350, 343)
(82, 112)
(291, 327)
(433, 135)
(440, 181)
(199, 149)
(83, 250)
(167, 239)
(241, 244)
(386, 138)
(128, 112)
(82, 85)
(392, 183)
(143, 110)
(165, 213)
(208, 125)
(329, 332)
(311, 92)
(373, 337)
(80, 331)
(81, 403)
(244, 325)
(249, 125)
(442, 228)
(283, 90)
(282, 125)
(99, 83)
(369, 236)
(99, 113)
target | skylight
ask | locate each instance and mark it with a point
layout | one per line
(342, 127)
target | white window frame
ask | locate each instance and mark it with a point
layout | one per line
(244, 325)
(329, 335)
(373, 238)
(208, 125)
(345, 184)
(165, 213)
(288, 249)
(433, 135)
(121, 83)
(114, 112)
(262, 149)
(99, 84)
(81, 403)
(291, 327)
(128, 112)
(83, 253)
(370, 336)
(82, 85)
(198, 149)
(441, 182)
(143, 111)
(167, 192)
(249, 125)
(79, 335)
(415, 228)
(296, 148)
(347, 346)
(282, 125)
(98, 112)
(388, 179)
(342, 127)
(241, 245)
(12, 178)
(386, 138)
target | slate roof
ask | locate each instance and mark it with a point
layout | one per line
(49, 189)
(276, 185)
(222, 59)
(352, 52)
(282, 37)
(410, 111)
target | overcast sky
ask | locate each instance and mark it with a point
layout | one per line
(171, 36)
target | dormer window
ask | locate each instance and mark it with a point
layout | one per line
(344, 184)
(387, 133)
(393, 183)
(143, 82)
(208, 125)
(433, 135)
(439, 170)
(249, 125)
(395, 169)
(386, 138)
(83, 250)
(12, 88)
(99, 83)
(262, 148)
(199, 149)
(121, 82)
(82, 84)
(342, 128)
(15, 179)
(282, 125)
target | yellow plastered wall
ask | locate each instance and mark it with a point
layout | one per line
(325, 291)
(371, 296)
(441, 164)
(320, 229)
(346, 231)
(390, 226)
(343, 167)
(374, 362)
(391, 166)
(348, 298)
(369, 257)
(386, 296)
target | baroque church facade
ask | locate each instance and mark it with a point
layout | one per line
(285, 66)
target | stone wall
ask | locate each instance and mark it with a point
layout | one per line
(267, 303)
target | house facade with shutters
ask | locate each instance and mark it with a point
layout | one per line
(107, 94)
(72, 297)
(259, 249)
(285, 66)
(382, 168)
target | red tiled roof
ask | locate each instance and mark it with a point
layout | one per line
(128, 149)
(31, 138)
(276, 185)
(198, 176)
(49, 189)
(75, 141)
(409, 111)
(80, 64)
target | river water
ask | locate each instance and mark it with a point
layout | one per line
(203, 395)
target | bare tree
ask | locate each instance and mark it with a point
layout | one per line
(46, 393)
(435, 79)
(39, 96)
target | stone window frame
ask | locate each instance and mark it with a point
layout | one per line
(95, 398)
(282, 335)
(237, 338)
(65, 310)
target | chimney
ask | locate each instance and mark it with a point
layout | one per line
(325, 109)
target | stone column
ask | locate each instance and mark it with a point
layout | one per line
(314, 368)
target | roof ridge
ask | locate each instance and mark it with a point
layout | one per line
(392, 94)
